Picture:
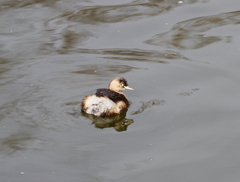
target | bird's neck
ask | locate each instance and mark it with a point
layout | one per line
(120, 92)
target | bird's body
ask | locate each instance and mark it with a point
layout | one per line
(107, 102)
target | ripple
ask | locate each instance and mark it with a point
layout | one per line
(188, 93)
(118, 122)
(4, 68)
(23, 3)
(20, 141)
(136, 54)
(146, 105)
(104, 70)
(185, 35)
(123, 12)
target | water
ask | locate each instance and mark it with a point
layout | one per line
(181, 58)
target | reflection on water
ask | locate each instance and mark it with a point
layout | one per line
(4, 68)
(23, 3)
(50, 53)
(18, 141)
(104, 70)
(136, 54)
(146, 105)
(188, 93)
(124, 12)
(118, 122)
(185, 35)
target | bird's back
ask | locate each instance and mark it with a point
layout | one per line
(104, 102)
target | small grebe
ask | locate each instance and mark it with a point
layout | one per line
(108, 102)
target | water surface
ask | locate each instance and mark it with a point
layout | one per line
(181, 58)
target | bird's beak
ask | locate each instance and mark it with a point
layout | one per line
(127, 87)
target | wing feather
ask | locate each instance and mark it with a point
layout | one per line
(114, 96)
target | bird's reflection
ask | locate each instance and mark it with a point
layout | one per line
(118, 122)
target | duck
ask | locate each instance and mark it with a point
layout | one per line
(107, 102)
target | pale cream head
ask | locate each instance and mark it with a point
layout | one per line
(118, 84)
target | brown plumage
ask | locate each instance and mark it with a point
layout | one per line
(107, 102)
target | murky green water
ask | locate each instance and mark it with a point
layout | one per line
(181, 58)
